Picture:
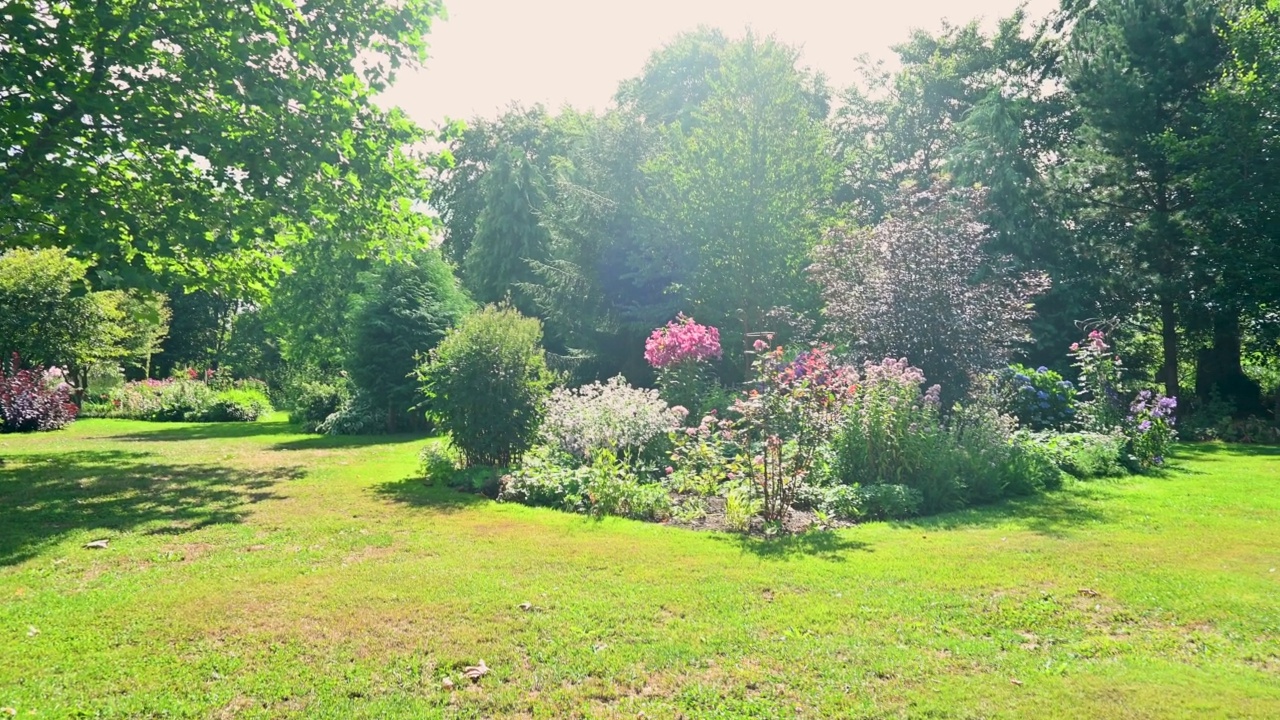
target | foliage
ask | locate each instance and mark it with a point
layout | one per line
(405, 310)
(33, 399)
(605, 485)
(680, 352)
(1149, 427)
(703, 457)
(486, 385)
(741, 180)
(1085, 454)
(1040, 399)
(315, 402)
(187, 399)
(786, 418)
(611, 416)
(50, 317)
(355, 416)
(741, 505)
(1102, 409)
(922, 284)
(201, 140)
(894, 434)
(872, 502)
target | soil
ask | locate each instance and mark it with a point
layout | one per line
(799, 520)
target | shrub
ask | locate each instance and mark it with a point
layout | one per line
(487, 384)
(356, 416)
(33, 399)
(892, 434)
(922, 283)
(182, 399)
(1149, 427)
(787, 417)
(245, 403)
(542, 481)
(439, 463)
(1084, 454)
(679, 352)
(1040, 399)
(884, 502)
(315, 402)
(611, 416)
(605, 486)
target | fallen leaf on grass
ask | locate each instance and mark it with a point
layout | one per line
(447, 683)
(96, 545)
(1087, 592)
(475, 672)
(32, 631)
(1015, 681)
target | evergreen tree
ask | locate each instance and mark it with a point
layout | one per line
(404, 311)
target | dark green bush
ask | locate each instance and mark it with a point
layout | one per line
(239, 404)
(487, 384)
(887, 502)
(315, 402)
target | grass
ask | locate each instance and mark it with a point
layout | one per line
(255, 572)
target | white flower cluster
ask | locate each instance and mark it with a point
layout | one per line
(612, 416)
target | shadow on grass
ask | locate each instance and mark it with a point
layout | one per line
(321, 442)
(233, 430)
(1051, 513)
(48, 496)
(1216, 450)
(419, 492)
(174, 432)
(827, 545)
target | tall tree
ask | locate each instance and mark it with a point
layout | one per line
(744, 189)
(196, 137)
(1139, 71)
(1236, 156)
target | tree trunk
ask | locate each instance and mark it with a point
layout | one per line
(1219, 370)
(1169, 333)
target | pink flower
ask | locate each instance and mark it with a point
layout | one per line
(682, 340)
(670, 470)
(760, 345)
(1075, 347)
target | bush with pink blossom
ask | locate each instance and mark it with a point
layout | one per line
(681, 353)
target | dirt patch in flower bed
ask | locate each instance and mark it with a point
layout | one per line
(715, 519)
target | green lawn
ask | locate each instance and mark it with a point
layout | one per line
(255, 572)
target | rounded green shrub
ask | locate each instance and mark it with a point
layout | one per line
(487, 384)
(315, 402)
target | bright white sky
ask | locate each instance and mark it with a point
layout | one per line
(489, 53)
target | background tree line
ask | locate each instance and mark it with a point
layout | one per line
(1119, 155)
